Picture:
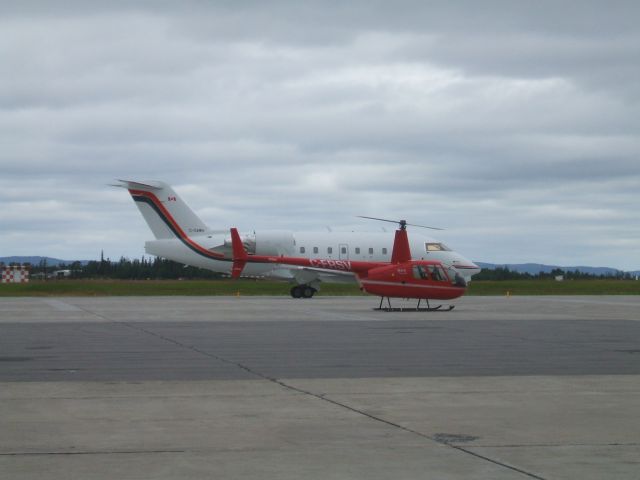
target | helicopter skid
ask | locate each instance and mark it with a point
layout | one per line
(416, 309)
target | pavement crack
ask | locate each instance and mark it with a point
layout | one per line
(85, 310)
(376, 418)
(324, 398)
(496, 462)
(196, 349)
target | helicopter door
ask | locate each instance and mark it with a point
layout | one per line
(343, 251)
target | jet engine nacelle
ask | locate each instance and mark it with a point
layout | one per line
(275, 242)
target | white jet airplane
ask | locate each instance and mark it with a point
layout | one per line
(181, 236)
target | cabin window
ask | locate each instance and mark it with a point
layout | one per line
(315, 249)
(343, 250)
(436, 273)
(436, 247)
(302, 249)
(357, 250)
(329, 250)
(370, 251)
(420, 272)
(384, 251)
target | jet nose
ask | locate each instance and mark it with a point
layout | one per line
(466, 267)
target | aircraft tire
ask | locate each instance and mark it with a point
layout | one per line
(296, 291)
(307, 291)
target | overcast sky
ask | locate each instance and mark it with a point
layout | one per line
(513, 125)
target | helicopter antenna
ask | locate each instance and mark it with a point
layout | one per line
(402, 223)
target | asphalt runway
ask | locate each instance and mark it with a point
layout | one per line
(223, 350)
(225, 387)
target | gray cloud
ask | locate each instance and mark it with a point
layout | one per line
(513, 125)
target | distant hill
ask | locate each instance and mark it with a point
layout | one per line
(535, 268)
(51, 262)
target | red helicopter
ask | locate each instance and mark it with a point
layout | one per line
(402, 277)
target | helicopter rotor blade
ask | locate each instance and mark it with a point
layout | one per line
(379, 219)
(399, 222)
(424, 226)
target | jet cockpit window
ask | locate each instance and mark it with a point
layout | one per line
(436, 247)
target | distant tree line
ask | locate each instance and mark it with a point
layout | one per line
(503, 273)
(136, 269)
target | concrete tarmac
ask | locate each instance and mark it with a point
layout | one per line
(255, 387)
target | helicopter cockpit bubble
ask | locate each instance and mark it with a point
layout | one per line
(456, 279)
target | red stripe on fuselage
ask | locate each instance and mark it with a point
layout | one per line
(169, 218)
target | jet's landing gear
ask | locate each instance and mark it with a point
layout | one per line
(302, 291)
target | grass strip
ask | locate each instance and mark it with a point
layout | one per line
(91, 288)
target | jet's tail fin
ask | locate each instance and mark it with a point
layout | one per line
(165, 212)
